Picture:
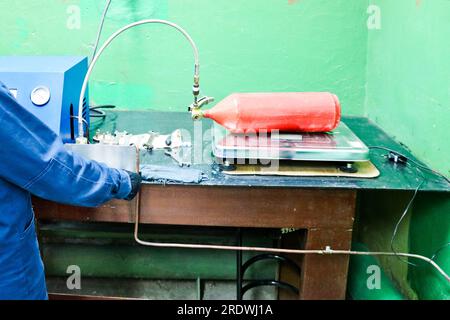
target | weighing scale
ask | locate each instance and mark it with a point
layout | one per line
(339, 146)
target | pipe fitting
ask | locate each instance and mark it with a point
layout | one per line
(197, 114)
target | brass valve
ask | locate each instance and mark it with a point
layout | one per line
(197, 105)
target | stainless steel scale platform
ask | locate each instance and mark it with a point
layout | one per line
(340, 145)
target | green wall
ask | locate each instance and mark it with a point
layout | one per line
(430, 234)
(378, 214)
(408, 95)
(251, 45)
(397, 75)
(408, 76)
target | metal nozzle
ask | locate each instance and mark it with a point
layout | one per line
(197, 114)
(194, 108)
(197, 105)
(195, 91)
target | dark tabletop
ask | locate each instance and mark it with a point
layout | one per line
(392, 176)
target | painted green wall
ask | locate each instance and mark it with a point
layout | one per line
(430, 234)
(398, 75)
(251, 45)
(378, 214)
(408, 76)
(408, 95)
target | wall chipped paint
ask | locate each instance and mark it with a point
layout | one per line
(408, 95)
(251, 45)
(408, 76)
(278, 45)
(378, 214)
(430, 234)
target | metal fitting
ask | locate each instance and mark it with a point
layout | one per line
(197, 105)
(197, 114)
(81, 140)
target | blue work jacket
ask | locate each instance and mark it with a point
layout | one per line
(34, 161)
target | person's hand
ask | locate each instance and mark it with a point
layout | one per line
(136, 181)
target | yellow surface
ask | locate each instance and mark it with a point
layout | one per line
(301, 169)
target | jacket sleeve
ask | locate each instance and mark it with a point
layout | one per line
(33, 157)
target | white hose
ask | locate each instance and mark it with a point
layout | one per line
(326, 251)
(107, 43)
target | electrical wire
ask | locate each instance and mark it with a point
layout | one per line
(96, 112)
(405, 212)
(85, 123)
(108, 42)
(103, 106)
(100, 28)
(436, 253)
(326, 251)
(412, 161)
(93, 111)
(419, 169)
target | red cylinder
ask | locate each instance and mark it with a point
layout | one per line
(283, 111)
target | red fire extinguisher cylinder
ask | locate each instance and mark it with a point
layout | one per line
(282, 111)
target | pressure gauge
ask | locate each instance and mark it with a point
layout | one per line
(40, 95)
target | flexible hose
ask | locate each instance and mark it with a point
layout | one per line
(108, 42)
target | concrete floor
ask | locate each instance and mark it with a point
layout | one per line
(159, 289)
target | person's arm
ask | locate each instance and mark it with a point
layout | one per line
(33, 157)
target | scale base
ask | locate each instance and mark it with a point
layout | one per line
(340, 146)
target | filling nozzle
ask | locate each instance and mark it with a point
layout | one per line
(194, 108)
(196, 86)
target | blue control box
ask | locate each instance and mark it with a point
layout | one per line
(49, 87)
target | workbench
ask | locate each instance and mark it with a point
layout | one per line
(322, 206)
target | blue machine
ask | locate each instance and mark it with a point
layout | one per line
(50, 88)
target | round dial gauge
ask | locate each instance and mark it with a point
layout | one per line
(40, 95)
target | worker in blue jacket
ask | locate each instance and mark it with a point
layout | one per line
(34, 161)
